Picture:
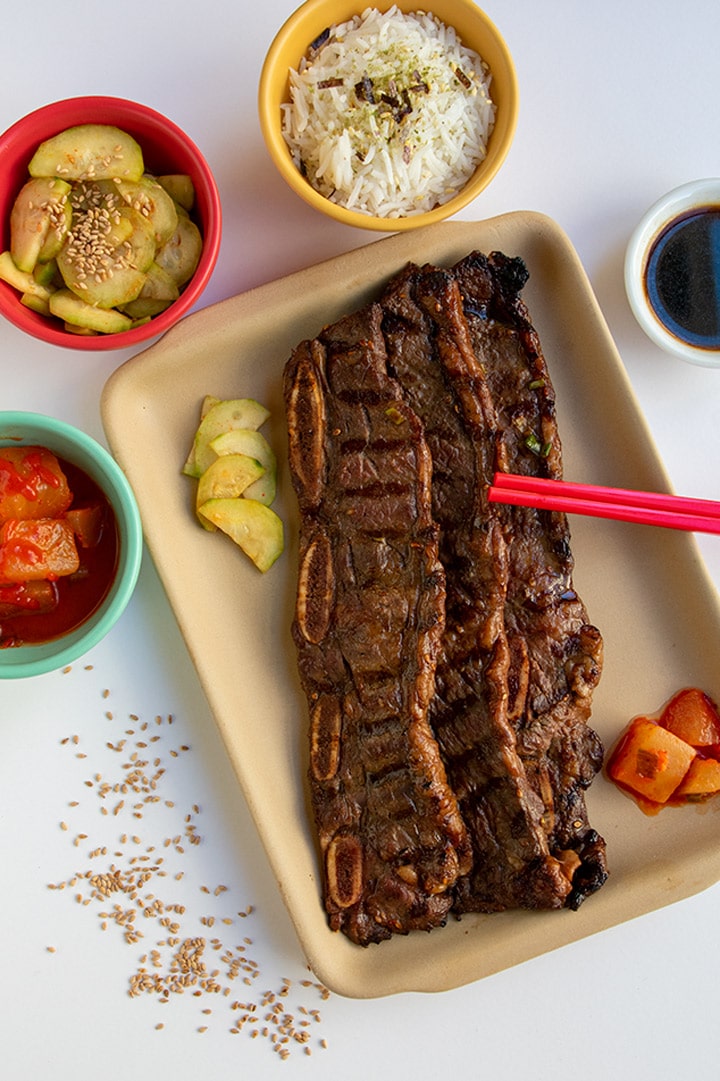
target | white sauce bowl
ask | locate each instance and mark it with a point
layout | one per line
(677, 204)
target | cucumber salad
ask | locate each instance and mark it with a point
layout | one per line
(95, 240)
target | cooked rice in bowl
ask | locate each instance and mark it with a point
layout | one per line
(390, 114)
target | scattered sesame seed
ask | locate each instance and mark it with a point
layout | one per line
(128, 900)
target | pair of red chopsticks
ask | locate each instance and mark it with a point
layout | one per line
(621, 504)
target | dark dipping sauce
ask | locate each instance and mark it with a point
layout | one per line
(79, 594)
(682, 277)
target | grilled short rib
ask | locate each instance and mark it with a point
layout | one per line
(447, 660)
(368, 627)
(556, 654)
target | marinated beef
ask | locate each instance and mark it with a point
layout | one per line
(556, 654)
(368, 626)
(512, 865)
(447, 660)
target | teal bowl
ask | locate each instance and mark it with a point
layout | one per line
(73, 445)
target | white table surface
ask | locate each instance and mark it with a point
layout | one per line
(619, 105)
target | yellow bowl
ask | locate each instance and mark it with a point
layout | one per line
(476, 31)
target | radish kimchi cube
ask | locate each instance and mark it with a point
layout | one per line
(27, 598)
(650, 761)
(32, 484)
(37, 548)
(693, 716)
(87, 523)
(701, 780)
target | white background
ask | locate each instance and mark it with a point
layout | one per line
(618, 105)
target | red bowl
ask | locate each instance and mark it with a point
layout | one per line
(166, 149)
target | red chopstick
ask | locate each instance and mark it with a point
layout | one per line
(598, 501)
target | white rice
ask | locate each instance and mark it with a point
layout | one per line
(391, 159)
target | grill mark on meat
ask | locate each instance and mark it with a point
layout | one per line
(512, 864)
(556, 653)
(418, 601)
(389, 829)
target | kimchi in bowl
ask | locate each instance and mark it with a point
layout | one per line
(35, 635)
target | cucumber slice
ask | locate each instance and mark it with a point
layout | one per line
(141, 239)
(35, 304)
(38, 220)
(19, 279)
(144, 308)
(114, 273)
(257, 529)
(125, 285)
(207, 403)
(180, 188)
(80, 332)
(100, 151)
(255, 445)
(159, 285)
(180, 255)
(227, 478)
(68, 307)
(153, 202)
(55, 238)
(47, 274)
(223, 416)
(158, 293)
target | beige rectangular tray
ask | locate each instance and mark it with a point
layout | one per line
(645, 588)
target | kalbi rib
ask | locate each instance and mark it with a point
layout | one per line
(448, 662)
(556, 654)
(431, 355)
(368, 628)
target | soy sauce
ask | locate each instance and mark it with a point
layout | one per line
(682, 277)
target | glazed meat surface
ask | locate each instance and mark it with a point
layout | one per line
(447, 660)
(369, 624)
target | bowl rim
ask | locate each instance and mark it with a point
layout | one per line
(281, 157)
(691, 195)
(23, 661)
(212, 232)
